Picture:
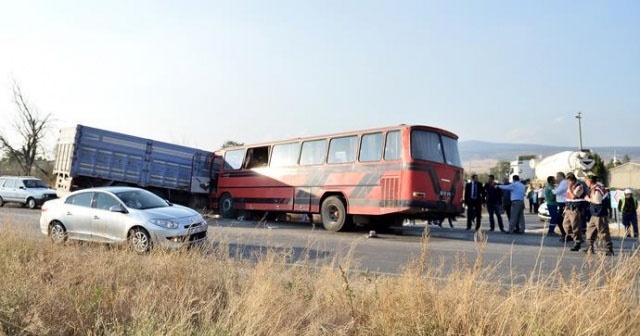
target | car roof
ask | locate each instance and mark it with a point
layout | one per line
(111, 189)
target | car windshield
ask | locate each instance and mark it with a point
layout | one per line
(35, 184)
(141, 199)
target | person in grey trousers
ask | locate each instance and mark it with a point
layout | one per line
(517, 191)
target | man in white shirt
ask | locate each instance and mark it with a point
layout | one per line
(561, 197)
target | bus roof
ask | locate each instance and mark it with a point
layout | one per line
(332, 135)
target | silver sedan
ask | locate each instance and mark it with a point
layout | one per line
(122, 215)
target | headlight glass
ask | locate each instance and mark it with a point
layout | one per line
(169, 224)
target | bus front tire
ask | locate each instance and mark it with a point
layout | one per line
(334, 215)
(226, 206)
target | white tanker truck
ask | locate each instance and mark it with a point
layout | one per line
(532, 168)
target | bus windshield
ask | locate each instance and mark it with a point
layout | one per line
(430, 146)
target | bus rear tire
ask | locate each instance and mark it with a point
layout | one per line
(334, 215)
(226, 206)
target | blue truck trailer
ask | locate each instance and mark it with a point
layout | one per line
(91, 157)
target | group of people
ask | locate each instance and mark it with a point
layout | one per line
(573, 206)
(507, 196)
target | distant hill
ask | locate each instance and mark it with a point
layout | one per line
(472, 151)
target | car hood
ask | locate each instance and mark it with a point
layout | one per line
(175, 211)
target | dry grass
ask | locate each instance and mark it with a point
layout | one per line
(87, 289)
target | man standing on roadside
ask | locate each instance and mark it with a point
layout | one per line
(506, 199)
(560, 191)
(598, 225)
(517, 191)
(473, 194)
(494, 203)
(552, 205)
(628, 207)
(573, 210)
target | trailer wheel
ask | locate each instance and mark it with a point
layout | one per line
(226, 206)
(334, 215)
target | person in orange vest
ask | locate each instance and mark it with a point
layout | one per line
(573, 210)
(598, 225)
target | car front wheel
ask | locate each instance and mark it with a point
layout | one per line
(139, 240)
(58, 233)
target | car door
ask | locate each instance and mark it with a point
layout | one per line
(10, 190)
(21, 193)
(108, 226)
(77, 215)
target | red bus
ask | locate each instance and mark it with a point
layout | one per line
(376, 176)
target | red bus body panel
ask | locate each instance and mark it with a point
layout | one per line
(414, 188)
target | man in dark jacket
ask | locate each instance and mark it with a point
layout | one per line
(494, 203)
(473, 196)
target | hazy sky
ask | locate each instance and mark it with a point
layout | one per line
(202, 72)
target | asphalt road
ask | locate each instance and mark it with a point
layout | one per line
(515, 257)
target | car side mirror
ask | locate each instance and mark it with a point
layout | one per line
(118, 208)
(21, 187)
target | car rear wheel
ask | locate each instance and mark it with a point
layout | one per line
(31, 203)
(58, 233)
(139, 240)
(1, 202)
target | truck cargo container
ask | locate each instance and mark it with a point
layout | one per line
(91, 157)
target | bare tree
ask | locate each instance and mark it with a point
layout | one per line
(31, 127)
(231, 143)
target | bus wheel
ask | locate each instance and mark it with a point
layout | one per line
(334, 215)
(226, 206)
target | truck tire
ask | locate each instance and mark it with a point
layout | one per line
(225, 204)
(334, 215)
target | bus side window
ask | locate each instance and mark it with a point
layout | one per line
(343, 149)
(233, 159)
(257, 157)
(392, 147)
(285, 155)
(371, 147)
(313, 152)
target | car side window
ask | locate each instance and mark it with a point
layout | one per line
(82, 199)
(105, 201)
(10, 183)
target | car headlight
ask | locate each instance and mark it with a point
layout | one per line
(169, 224)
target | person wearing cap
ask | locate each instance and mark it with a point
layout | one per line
(628, 208)
(598, 226)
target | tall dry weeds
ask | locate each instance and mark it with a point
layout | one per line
(88, 289)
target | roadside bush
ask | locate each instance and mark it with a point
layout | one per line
(90, 289)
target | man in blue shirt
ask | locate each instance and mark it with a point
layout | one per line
(517, 191)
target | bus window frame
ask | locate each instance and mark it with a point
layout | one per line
(382, 146)
(398, 145)
(324, 155)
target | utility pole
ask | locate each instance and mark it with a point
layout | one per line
(579, 117)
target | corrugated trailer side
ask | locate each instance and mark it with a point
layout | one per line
(88, 157)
